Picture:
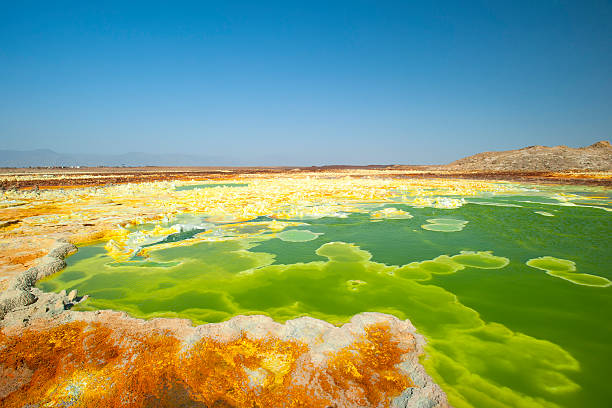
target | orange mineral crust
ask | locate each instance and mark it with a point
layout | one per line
(109, 359)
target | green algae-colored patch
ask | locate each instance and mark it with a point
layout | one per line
(544, 213)
(343, 252)
(495, 204)
(297, 235)
(413, 271)
(355, 284)
(566, 269)
(71, 276)
(109, 294)
(444, 225)
(144, 264)
(245, 229)
(582, 278)
(483, 260)
(441, 265)
(444, 265)
(165, 285)
(193, 299)
(549, 263)
(447, 221)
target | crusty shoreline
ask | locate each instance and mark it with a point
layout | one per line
(19, 293)
(25, 307)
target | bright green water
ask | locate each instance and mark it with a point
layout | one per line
(501, 333)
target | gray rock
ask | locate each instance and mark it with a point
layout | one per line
(62, 250)
(19, 290)
(14, 298)
(25, 280)
(57, 307)
(49, 265)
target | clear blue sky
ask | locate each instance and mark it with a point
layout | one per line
(305, 82)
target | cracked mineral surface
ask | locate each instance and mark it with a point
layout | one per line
(345, 289)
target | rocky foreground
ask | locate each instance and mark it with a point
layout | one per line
(51, 355)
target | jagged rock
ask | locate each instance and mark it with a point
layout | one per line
(58, 306)
(19, 288)
(13, 298)
(62, 250)
(72, 295)
(25, 280)
(49, 265)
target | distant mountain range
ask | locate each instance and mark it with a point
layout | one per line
(49, 158)
(596, 157)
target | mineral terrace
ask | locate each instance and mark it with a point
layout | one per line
(54, 356)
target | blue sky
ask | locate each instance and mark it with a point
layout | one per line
(305, 83)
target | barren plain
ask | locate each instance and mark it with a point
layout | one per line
(274, 287)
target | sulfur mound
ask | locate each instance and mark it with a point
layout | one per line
(391, 213)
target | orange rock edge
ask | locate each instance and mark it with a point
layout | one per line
(93, 359)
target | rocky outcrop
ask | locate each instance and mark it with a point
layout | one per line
(596, 157)
(21, 291)
(247, 361)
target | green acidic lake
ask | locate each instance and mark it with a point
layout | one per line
(515, 304)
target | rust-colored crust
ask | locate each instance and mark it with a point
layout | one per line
(93, 364)
(89, 177)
